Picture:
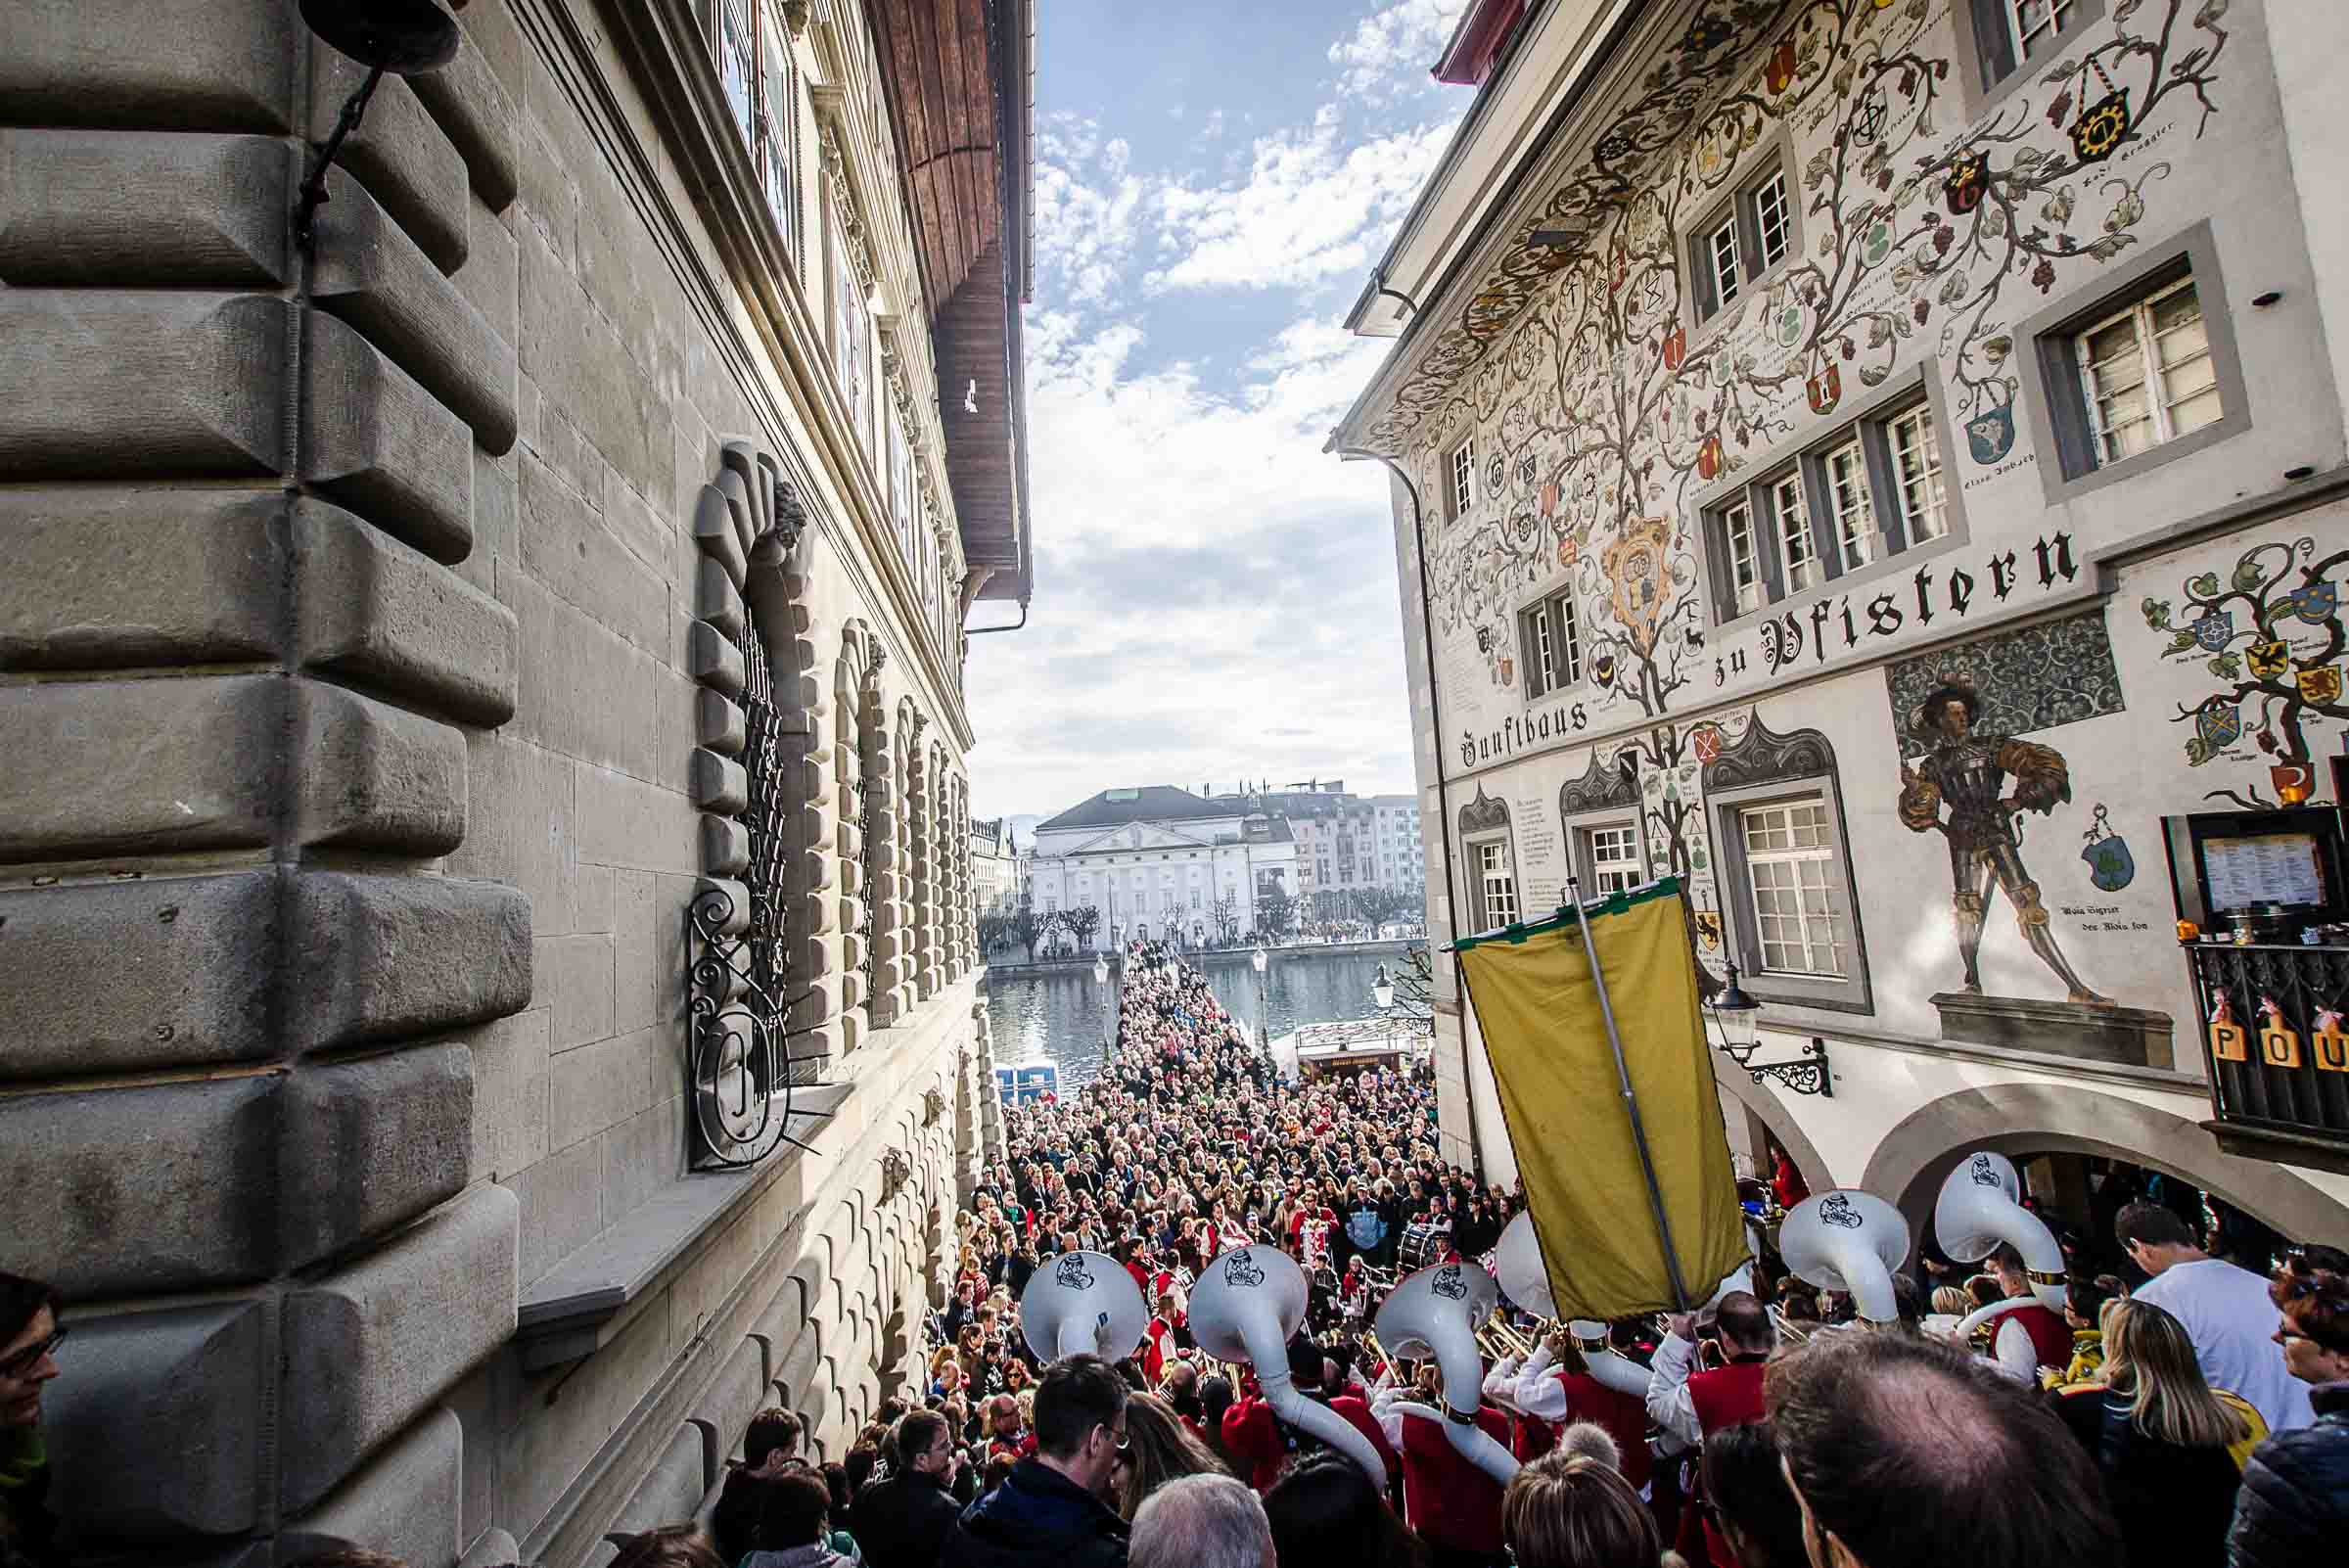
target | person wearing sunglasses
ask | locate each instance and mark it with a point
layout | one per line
(30, 1335)
(2294, 1504)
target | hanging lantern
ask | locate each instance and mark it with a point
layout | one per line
(2104, 124)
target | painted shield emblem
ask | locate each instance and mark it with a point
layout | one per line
(2218, 724)
(2316, 603)
(2268, 660)
(1967, 183)
(2110, 865)
(2320, 685)
(1707, 741)
(1824, 390)
(2214, 629)
(1602, 670)
(1990, 435)
(1676, 348)
(2294, 781)
(1707, 929)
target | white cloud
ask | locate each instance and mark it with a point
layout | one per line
(1311, 205)
(1214, 595)
(1394, 48)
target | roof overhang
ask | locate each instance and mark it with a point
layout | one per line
(1556, 52)
(961, 82)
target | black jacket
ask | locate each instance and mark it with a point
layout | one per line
(2173, 1504)
(903, 1521)
(2294, 1505)
(1038, 1518)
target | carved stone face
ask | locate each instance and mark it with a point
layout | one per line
(1954, 720)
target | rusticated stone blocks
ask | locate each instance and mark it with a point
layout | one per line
(380, 445)
(146, 1187)
(406, 1503)
(370, 273)
(112, 384)
(190, 965)
(155, 1429)
(382, 957)
(370, 1145)
(367, 1349)
(85, 207)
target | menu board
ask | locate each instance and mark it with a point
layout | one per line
(2264, 868)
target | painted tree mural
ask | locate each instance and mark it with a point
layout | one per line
(1600, 417)
(2271, 628)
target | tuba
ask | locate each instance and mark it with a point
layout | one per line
(1436, 1313)
(1851, 1241)
(1083, 1302)
(1245, 1307)
(1524, 1280)
(1981, 1206)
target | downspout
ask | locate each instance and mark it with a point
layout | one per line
(1435, 718)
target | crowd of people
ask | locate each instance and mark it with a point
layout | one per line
(2187, 1410)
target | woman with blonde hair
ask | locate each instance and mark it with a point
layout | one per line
(1158, 1449)
(2160, 1435)
(1562, 1511)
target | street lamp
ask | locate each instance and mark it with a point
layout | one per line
(1101, 971)
(1382, 988)
(1260, 960)
(1101, 978)
(1738, 1015)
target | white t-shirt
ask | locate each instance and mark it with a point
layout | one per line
(2227, 1314)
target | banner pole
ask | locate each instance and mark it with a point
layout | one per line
(1630, 1101)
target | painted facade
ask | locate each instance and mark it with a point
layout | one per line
(1942, 724)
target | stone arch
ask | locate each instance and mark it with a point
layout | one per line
(882, 768)
(857, 670)
(1912, 1160)
(1765, 1106)
(756, 993)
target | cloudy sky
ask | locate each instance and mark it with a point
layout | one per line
(1215, 598)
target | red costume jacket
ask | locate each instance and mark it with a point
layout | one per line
(1253, 1434)
(1448, 1500)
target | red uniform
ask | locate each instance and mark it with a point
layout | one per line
(2050, 1335)
(1725, 1396)
(1448, 1500)
(1252, 1433)
(1624, 1416)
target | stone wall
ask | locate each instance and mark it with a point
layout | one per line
(358, 656)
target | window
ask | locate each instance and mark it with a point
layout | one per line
(1846, 494)
(1741, 240)
(763, 102)
(1793, 521)
(1862, 495)
(1789, 864)
(2147, 374)
(1774, 225)
(1613, 857)
(2034, 26)
(2009, 35)
(1552, 636)
(1496, 885)
(1459, 480)
(1917, 466)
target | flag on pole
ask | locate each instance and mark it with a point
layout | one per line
(1601, 1201)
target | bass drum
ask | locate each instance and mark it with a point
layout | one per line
(1423, 1243)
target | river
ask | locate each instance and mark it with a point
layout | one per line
(1063, 1017)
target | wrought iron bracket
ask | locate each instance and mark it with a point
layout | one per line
(1806, 1073)
(312, 195)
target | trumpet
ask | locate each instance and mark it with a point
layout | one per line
(1498, 1339)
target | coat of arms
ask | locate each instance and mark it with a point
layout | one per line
(2268, 660)
(2319, 685)
(2214, 629)
(1635, 565)
(2218, 724)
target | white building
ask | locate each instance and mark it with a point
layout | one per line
(1161, 862)
(995, 867)
(1802, 418)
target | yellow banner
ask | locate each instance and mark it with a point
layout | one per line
(1560, 1093)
